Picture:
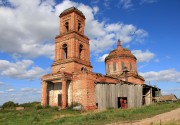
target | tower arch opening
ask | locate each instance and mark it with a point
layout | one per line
(80, 51)
(67, 26)
(65, 52)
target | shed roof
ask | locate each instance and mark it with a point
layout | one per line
(171, 97)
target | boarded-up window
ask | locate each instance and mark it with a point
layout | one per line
(130, 66)
(114, 66)
(122, 65)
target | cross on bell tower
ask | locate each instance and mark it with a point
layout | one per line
(72, 52)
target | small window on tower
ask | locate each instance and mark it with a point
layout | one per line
(108, 70)
(79, 26)
(130, 66)
(114, 66)
(80, 51)
(67, 26)
(65, 51)
(122, 65)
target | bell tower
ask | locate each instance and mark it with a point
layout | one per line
(72, 53)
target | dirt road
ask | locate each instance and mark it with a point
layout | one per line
(158, 119)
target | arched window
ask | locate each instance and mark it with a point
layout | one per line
(122, 66)
(114, 66)
(79, 26)
(65, 51)
(80, 51)
(67, 26)
(130, 66)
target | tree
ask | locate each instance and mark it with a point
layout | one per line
(9, 104)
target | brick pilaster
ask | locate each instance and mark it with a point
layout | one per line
(64, 94)
(44, 94)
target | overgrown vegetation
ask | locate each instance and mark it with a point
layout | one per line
(51, 116)
(30, 104)
(9, 105)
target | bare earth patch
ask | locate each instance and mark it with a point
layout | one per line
(173, 115)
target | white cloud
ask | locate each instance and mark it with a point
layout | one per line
(125, 32)
(169, 75)
(21, 69)
(174, 89)
(148, 1)
(2, 92)
(10, 90)
(102, 58)
(165, 93)
(29, 28)
(126, 4)
(95, 1)
(95, 9)
(157, 60)
(19, 97)
(143, 56)
(168, 57)
(2, 83)
(31, 90)
(106, 3)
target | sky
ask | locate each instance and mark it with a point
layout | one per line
(149, 28)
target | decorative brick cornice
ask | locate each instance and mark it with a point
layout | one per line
(72, 34)
(76, 60)
(57, 76)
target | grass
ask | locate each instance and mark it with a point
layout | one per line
(51, 116)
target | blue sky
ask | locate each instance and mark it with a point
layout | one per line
(149, 28)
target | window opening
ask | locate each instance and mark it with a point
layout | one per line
(79, 26)
(130, 66)
(122, 102)
(122, 65)
(80, 51)
(65, 51)
(114, 66)
(67, 26)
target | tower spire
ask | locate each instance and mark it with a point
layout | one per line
(119, 44)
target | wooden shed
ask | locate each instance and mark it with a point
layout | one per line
(120, 95)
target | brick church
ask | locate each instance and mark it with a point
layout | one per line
(72, 79)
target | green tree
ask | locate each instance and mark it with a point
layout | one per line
(9, 104)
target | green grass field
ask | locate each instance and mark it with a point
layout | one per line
(51, 116)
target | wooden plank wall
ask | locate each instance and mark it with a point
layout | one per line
(107, 94)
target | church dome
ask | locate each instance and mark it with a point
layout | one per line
(121, 64)
(120, 52)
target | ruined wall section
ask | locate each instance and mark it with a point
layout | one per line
(84, 90)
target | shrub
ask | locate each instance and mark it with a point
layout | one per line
(55, 108)
(30, 104)
(9, 105)
(39, 107)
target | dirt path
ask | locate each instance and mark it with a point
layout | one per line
(161, 118)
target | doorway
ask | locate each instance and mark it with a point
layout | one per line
(59, 99)
(122, 102)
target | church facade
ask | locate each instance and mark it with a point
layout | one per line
(72, 79)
